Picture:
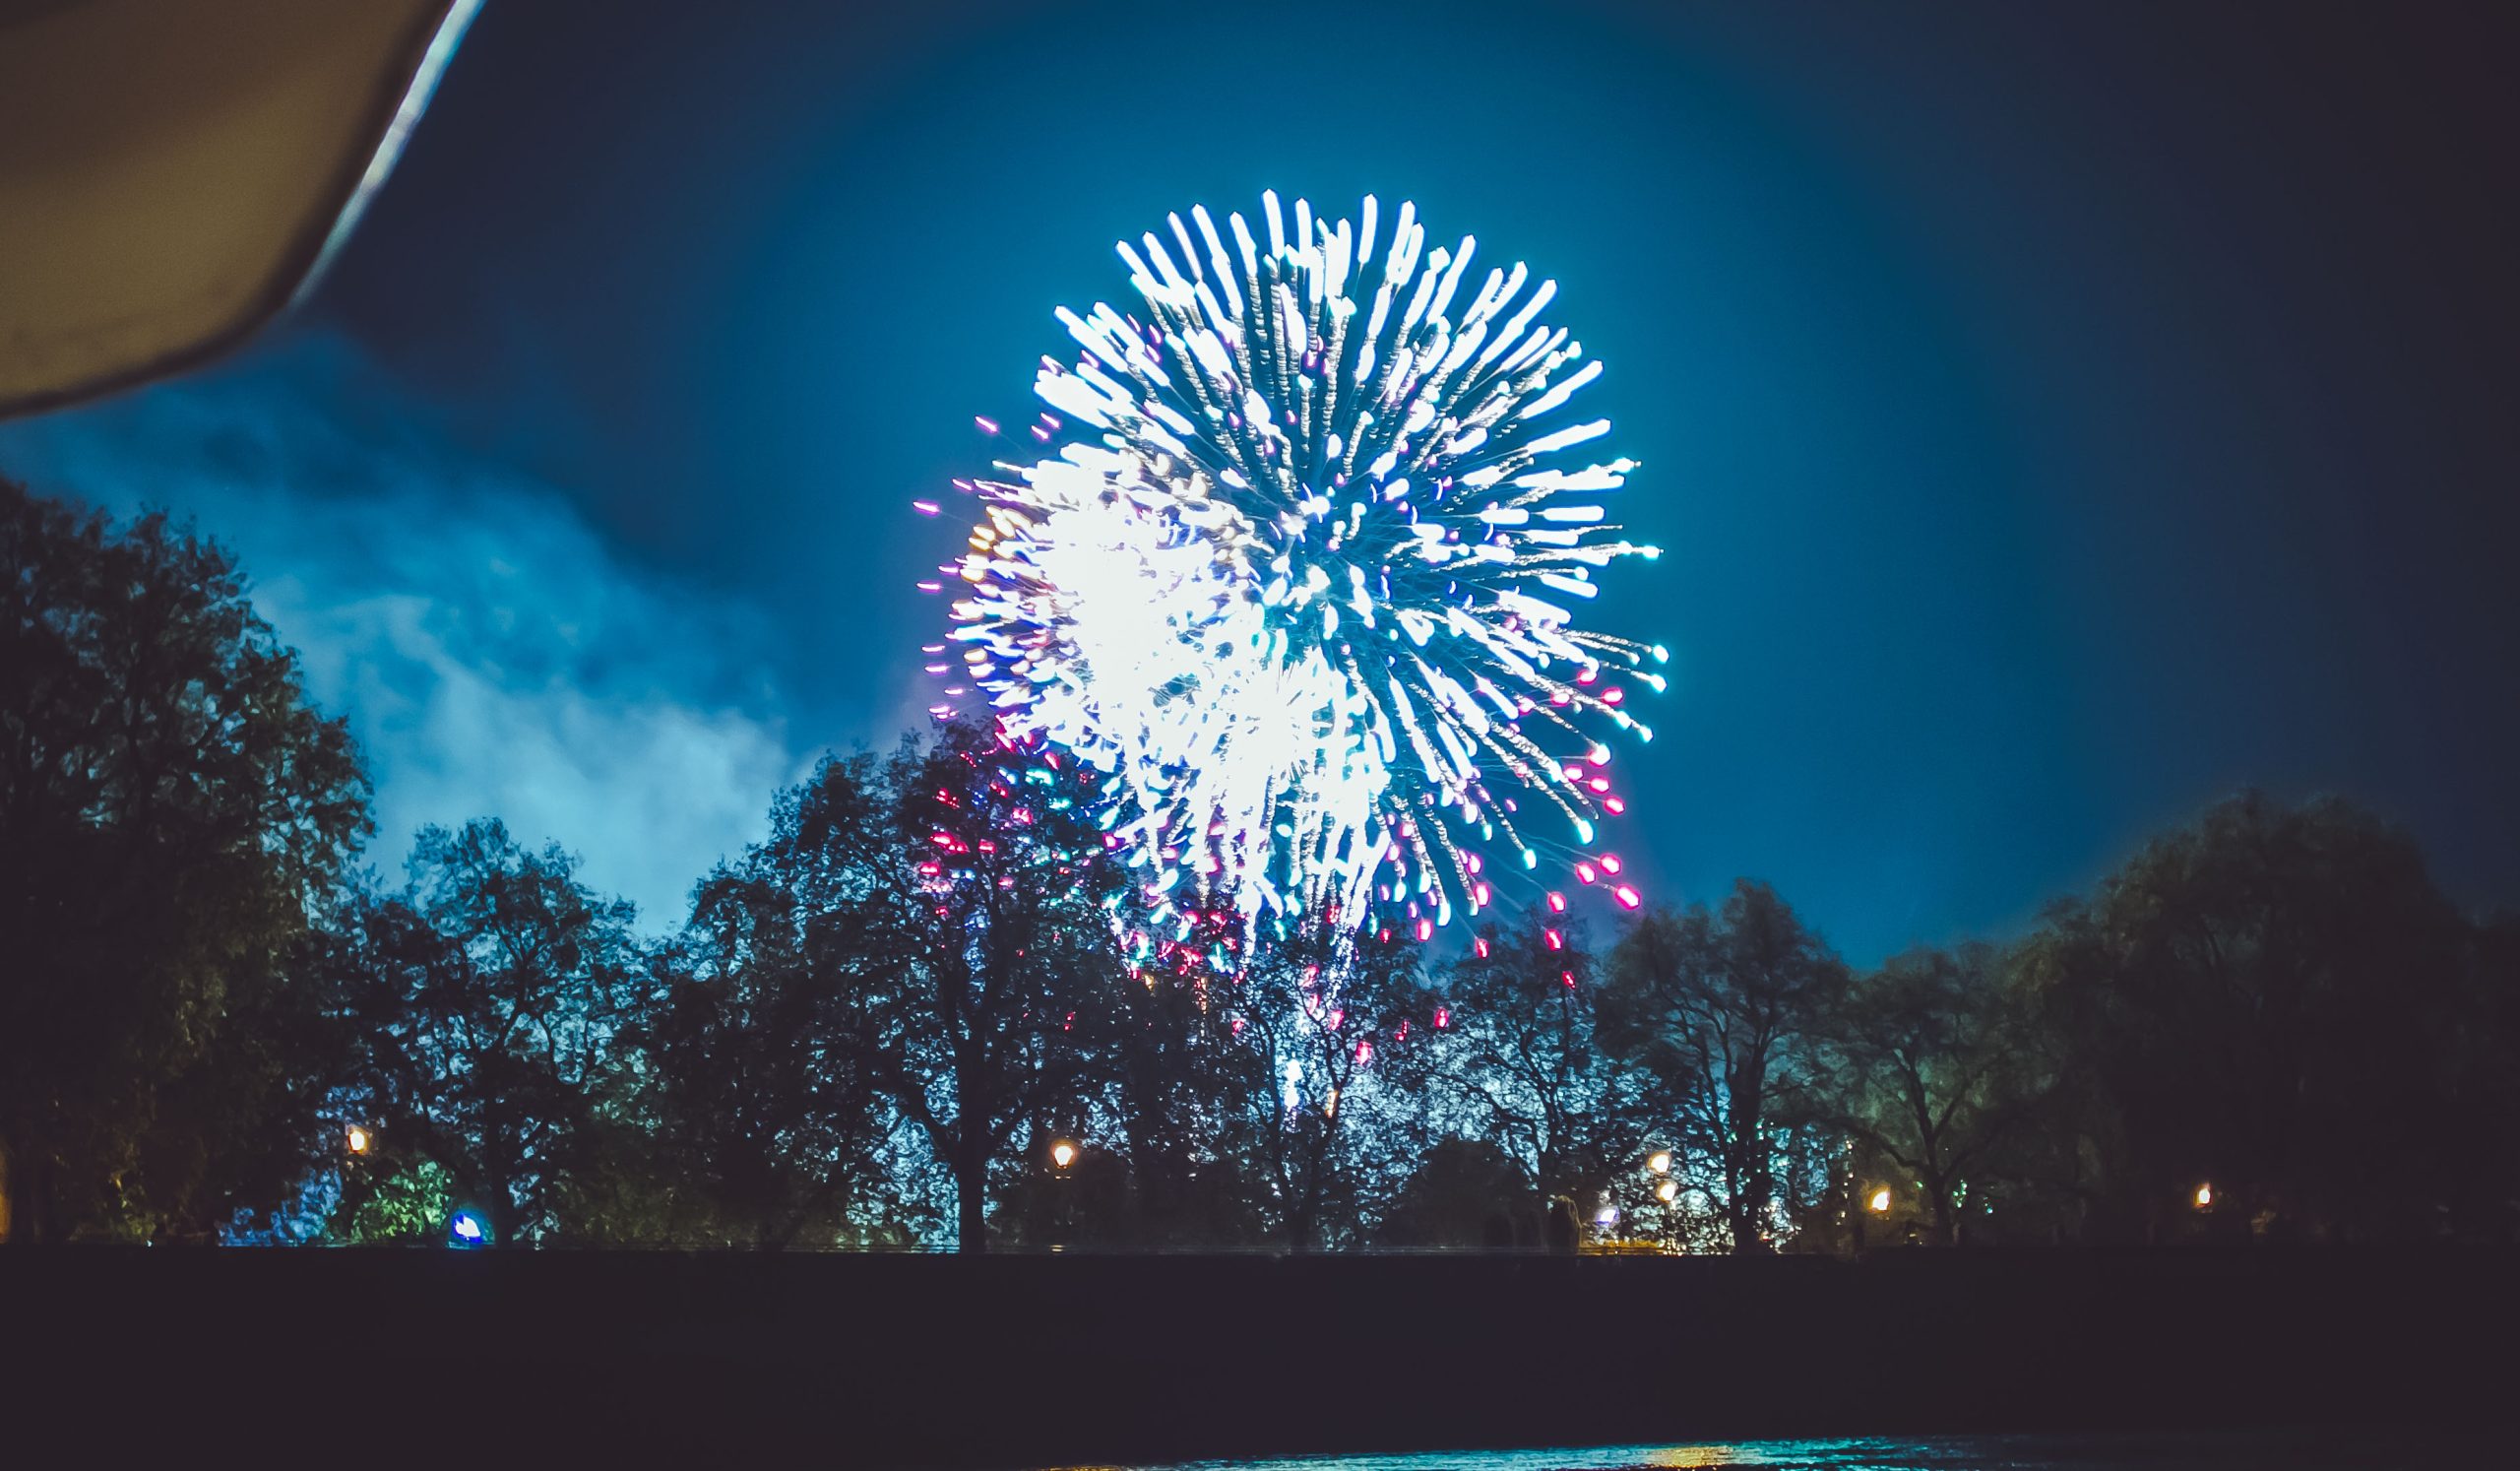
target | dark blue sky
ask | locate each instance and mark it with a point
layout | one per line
(2057, 416)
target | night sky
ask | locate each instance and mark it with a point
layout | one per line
(2056, 417)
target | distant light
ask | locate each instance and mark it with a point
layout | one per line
(1606, 1216)
(358, 1139)
(1668, 1191)
(466, 1227)
(1881, 1200)
(1062, 1154)
(2205, 1196)
(1660, 1162)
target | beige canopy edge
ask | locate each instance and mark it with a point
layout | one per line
(173, 173)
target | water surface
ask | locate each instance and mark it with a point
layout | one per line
(2279, 1451)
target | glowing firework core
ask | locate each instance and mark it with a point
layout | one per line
(1297, 572)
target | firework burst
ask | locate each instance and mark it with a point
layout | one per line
(1296, 567)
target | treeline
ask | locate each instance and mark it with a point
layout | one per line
(928, 1010)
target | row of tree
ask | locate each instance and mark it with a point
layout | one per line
(929, 1009)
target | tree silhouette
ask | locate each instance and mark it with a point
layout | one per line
(1169, 1074)
(2263, 1000)
(763, 1099)
(1523, 1069)
(1466, 1194)
(1328, 1046)
(172, 809)
(490, 996)
(1937, 1064)
(960, 901)
(1722, 1011)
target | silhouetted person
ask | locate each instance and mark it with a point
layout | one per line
(1559, 1233)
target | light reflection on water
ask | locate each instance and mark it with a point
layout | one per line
(2288, 1450)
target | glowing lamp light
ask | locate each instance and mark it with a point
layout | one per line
(468, 1228)
(1062, 1154)
(1668, 1191)
(2205, 1196)
(1606, 1217)
(357, 1139)
(1660, 1162)
(1880, 1201)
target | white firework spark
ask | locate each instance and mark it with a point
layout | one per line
(1297, 570)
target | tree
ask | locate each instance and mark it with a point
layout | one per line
(1938, 1062)
(2263, 1000)
(490, 995)
(955, 892)
(761, 1095)
(1720, 1011)
(1329, 1035)
(1167, 1076)
(172, 809)
(1522, 1067)
(1466, 1194)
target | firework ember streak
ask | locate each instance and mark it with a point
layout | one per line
(1300, 566)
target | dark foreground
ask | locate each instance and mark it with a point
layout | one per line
(1032, 1361)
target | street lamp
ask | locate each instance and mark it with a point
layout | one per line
(1668, 1191)
(2205, 1196)
(1660, 1162)
(1062, 1188)
(1880, 1201)
(358, 1139)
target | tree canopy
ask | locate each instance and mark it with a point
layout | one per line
(932, 1007)
(173, 812)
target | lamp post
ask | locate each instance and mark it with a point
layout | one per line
(1660, 1163)
(1063, 1153)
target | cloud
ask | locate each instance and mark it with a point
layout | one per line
(494, 656)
